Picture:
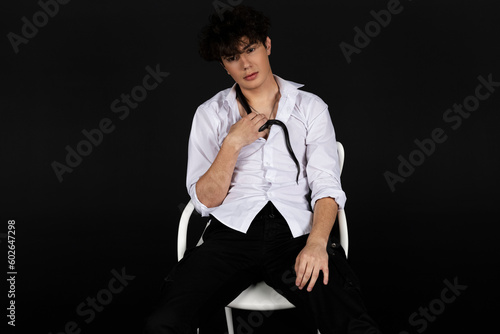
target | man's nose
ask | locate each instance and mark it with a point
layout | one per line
(245, 62)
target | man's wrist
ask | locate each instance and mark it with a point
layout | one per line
(231, 144)
(317, 240)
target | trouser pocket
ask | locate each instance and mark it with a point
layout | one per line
(338, 260)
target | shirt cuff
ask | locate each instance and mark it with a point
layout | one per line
(339, 197)
(198, 206)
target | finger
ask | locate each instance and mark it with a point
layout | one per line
(314, 278)
(299, 271)
(326, 275)
(253, 115)
(307, 275)
(298, 274)
(259, 119)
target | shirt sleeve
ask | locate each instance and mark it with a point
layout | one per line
(203, 147)
(323, 168)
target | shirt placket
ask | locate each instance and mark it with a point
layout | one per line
(269, 167)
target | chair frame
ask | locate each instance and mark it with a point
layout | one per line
(260, 296)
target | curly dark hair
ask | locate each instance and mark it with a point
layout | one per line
(222, 37)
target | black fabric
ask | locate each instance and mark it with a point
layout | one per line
(211, 275)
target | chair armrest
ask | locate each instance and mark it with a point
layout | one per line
(344, 237)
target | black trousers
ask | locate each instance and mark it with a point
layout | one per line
(211, 275)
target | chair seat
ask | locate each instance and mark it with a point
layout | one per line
(261, 297)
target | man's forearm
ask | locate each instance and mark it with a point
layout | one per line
(212, 187)
(325, 212)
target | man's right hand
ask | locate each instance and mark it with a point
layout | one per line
(246, 130)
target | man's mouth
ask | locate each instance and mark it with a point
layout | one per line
(251, 76)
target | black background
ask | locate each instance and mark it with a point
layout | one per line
(120, 207)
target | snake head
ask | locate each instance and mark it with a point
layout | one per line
(265, 126)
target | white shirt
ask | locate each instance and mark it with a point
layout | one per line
(264, 170)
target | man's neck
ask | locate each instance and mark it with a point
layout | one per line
(264, 94)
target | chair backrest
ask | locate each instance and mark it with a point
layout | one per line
(188, 210)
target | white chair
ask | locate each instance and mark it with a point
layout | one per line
(260, 296)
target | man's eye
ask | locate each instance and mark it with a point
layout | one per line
(251, 50)
(230, 59)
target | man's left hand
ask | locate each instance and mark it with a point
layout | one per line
(311, 260)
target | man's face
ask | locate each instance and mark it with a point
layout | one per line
(250, 68)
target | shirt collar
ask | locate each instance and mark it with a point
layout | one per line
(287, 89)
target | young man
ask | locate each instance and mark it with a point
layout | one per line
(272, 199)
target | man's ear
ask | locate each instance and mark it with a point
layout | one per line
(224, 67)
(268, 45)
